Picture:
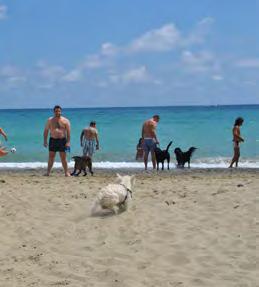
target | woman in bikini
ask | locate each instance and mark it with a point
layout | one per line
(236, 140)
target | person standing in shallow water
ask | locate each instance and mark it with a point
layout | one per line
(236, 141)
(149, 139)
(59, 140)
(89, 139)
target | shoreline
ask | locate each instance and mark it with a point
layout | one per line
(134, 166)
(139, 171)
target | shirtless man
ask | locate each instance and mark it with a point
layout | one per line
(236, 140)
(3, 152)
(89, 139)
(149, 139)
(59, 140)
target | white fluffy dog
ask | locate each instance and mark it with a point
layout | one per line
(114, 198)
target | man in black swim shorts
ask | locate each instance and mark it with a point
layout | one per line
(59, 141)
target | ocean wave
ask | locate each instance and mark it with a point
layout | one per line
(198, 163)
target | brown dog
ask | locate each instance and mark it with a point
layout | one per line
(81, 162)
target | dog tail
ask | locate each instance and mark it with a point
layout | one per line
(167, 148)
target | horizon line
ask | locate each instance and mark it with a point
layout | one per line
(125, 107)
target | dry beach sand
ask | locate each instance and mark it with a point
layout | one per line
(183, 228)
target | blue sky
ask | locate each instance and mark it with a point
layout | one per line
(84, 53)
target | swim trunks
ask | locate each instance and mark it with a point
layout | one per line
(57, 144)
(89, 147)
(148, 145)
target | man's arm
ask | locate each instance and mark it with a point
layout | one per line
(142, 132)
(45, 133)
(97, 140)
(68, 133)
(3, 133)
(153, 131)
(81, 137)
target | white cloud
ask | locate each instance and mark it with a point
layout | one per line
(53, 74)
(50, 73)
(248, 63)
(162, 39)
(250, 83)
(217, 78)
(109, 49)
(3, 12)
(200, 62)
(9, 71)
(199, 33)
(138, 75)
(102, 84)
(159, 40)
(92, 62)
(72, 76)
(12, 75)
(168, 37)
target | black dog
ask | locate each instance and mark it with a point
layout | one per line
(162, 155)
(183, 157)
(81, 162)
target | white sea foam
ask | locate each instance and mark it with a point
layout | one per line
(198, 163)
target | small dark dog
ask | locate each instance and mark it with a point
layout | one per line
(162, 155)
(81, 162)
(183, 157)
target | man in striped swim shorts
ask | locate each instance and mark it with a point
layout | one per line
(89, 139)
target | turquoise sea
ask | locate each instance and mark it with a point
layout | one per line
(207, 128)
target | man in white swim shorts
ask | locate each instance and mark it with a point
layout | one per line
(89, 139)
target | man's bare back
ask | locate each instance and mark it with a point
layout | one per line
(149, 129)
(149, 139)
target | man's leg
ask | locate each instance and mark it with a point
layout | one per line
(52, 155)
(153, 159)
(91, 149)
(64, 162)
(146, 158)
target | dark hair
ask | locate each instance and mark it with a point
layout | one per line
(140, 141)
(92, 123)
(57, 107)
(156, 116)
(238, 121)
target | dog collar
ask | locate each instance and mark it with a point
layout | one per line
(128, 190)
